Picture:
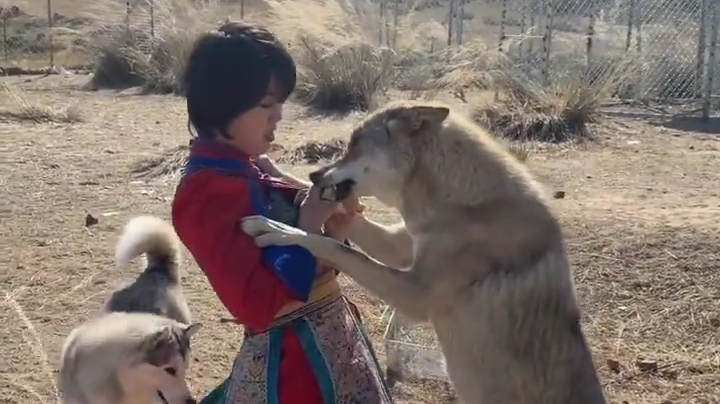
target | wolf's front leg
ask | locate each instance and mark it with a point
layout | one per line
(400, 289)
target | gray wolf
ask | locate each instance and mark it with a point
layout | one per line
(483, 255)
(157, 289)
(137, 350)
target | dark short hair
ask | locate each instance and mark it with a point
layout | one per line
(229, 72)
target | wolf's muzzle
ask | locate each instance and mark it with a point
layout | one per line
(337, 192)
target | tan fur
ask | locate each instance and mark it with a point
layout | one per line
(488, 266)
(123, 355)
(157, 289)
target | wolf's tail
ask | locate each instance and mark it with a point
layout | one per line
(156, 239)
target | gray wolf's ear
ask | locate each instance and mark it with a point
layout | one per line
(159, 338)
(190, 330)
(421, 116)
(158, 346)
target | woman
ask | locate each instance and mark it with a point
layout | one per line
(303, 343)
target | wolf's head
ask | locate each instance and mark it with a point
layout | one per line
(158, 374)
(381, 152)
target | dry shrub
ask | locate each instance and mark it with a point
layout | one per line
(115, 64)
(341, 67)
(525, 110)
(559, 118)
(520, 151)
(353, 77)
(314, 152)
(128, 56)
(339, 70)
(24, 110)
(471, 66)
(171, 164)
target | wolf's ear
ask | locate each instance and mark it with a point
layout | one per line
(421, 116)
(189, 331)
(159, 338)
(157, 346)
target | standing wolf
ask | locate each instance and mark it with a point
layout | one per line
(137, 350)
(487, 260)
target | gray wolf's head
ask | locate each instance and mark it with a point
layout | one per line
(381, 152)
(158, 372)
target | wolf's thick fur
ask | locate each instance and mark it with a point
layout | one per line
(157, 289)
(486, 256)
(137, 349)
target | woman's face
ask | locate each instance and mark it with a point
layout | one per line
(254, 130)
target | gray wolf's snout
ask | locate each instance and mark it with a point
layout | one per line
(338, 192)
(190, 401)
(343, 189)
(316, 176)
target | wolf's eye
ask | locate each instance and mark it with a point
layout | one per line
(171, 371)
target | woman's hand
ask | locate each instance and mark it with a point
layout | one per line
(338, 225)
(266, 165)
(314, 212)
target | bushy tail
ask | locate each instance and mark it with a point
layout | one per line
(153, 237)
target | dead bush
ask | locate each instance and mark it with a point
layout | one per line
(116, 65)
(22, 109)
(525, 110)
(314, 152)
(129, 56)
(171, 164)
(351, 77)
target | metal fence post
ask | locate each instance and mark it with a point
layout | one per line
(503, 16)
(50, 35)
(127, 17)
(590, 36)
(711, 60)
(4, 36)
(152, 23)
(547, 40)
(631, 12)
(701, 48)
(461, 23)
(451, 22)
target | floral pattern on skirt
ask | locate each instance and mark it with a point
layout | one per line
(356, 377)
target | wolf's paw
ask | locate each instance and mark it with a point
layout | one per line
(268, 232)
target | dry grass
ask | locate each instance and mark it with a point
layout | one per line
(642, 243)
(24, 110)
(170, 163)
(33, 340)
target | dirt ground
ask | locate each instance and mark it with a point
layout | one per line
(641, 214)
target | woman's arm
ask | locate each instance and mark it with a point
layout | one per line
(206, 214)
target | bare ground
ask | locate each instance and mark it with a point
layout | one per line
(641, 213)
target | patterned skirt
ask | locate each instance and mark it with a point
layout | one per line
(339, 350)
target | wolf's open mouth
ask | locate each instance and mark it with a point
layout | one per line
(162, 397)
(337, 192)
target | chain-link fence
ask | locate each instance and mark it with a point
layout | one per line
(658, 49)
(40, 37)
(650, 49)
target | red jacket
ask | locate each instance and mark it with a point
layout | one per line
(206, 214)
